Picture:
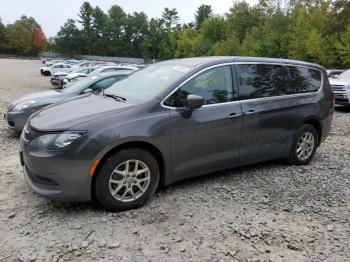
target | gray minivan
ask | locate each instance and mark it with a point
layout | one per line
(174, 120)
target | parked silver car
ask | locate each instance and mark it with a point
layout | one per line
(19, 110)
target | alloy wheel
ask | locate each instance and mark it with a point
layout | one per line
(129, 180)
(305, 146)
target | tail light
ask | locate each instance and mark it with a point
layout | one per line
(333, 95)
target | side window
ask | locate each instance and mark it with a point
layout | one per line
(104, 83)
(305, 79)
(263, 80)
(85, 71)
(214, 85)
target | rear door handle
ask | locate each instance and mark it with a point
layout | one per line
(250, 112)
(234, 115)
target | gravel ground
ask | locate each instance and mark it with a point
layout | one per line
(265, 212)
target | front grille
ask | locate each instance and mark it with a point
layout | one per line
(338, 88)
(337, 95)
(30, 134)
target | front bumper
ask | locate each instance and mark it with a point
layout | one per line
(56, 81)
(17, 120)
(58, 175)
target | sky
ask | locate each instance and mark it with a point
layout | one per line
(52, 14)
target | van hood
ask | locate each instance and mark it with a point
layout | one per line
(75, 111)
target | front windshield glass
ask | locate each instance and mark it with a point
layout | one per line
(344, 75)
(149, 82)
(80, 85)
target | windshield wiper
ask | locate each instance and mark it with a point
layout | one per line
(116, 97)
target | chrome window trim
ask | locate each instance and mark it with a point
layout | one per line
(246, 100)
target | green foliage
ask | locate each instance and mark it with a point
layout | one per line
(86, 16)
(171, 18)
(23, 37)
(69, 39)
(343, 46)
(203, 13)
(309, 30)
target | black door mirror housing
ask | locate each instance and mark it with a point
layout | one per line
(193, 102)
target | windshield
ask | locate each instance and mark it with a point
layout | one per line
(149, 82)
(80, 85)
(344, 75)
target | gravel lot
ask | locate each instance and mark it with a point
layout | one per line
(265, 212)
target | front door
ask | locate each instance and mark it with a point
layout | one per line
(208, 139)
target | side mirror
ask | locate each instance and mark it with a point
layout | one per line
(193, 102)
(87, 91)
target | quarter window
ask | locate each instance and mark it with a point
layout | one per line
(259, 80)
(214, 85)
(305, 79)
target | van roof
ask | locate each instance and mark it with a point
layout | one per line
(200, 61)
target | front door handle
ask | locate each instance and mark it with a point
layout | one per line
(234, 115)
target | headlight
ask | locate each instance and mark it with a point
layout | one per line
(23, 105)
(56, 141)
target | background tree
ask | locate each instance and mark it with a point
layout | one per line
(3, 38)
(204, 12)
(69, 39)
(115, 30)
(39, 41)
(310, 30)
(343, 46)
(86, 20)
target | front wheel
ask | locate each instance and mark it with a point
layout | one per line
(304, 145)
(126, 180)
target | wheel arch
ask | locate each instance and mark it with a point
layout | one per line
(316, 123)
(152, 149)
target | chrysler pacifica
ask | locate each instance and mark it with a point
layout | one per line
(174, 120)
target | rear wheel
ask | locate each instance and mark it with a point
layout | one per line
(304, 145)
(127, 180)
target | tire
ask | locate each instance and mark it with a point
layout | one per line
(47, 73)
(103, 186)
(305, 133)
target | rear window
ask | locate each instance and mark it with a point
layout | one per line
(259, 80)
(264, 80)
(305, 79)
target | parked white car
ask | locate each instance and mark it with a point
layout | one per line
(341, 88)
(58, 78)
(58, 67)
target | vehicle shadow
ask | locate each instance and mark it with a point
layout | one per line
(189, 184)
(343, 109)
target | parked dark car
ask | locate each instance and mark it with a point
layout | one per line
(174, 120)
(19, 110)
